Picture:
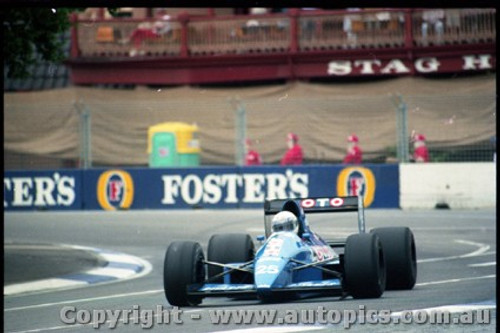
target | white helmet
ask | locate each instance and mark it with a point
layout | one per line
(284, 221)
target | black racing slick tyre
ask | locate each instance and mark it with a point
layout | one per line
(400, 256)
(229, 248)
(183, 266)
(364, 266)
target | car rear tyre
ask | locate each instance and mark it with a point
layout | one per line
(364, 266)
(229, 248)
(400, 256)
(183, 266)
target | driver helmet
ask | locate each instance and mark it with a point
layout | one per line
(284, 221)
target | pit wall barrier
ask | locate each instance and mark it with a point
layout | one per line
(453, 185)
(197, 187)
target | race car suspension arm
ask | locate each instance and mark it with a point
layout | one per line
(315, 265)
(231, 269)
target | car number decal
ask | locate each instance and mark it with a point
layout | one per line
(273, 248)
(267, 269)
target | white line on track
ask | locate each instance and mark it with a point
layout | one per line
(53, 328)
(492, 276)
(84, 300)
(482, 248)
(484, 264)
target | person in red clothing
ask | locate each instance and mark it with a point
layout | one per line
(354, 154)
(294, 155)
(420, 152)
(252, 157)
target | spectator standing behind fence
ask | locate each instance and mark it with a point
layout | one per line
(252, 157)
(294, 155)
(354, 154)
(420, 152)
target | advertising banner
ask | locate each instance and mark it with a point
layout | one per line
(196, 187)
(236, 187)
(42, 190)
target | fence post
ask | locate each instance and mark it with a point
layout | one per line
(85, 161)
(240, 129)
(402, 130)
(294, 29)
(75, 49)
(184, 20)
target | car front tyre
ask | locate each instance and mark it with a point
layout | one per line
(183, 266)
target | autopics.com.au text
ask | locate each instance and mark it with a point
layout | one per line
(147, 318)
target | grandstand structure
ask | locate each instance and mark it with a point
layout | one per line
(203, 46)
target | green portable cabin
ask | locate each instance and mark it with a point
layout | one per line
(173, 144)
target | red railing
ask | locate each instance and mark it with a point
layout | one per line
(295, 31)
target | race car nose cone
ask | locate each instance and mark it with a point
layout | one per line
(270, 274)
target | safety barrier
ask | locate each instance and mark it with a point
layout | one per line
(406, 186)
(197, 187)
(448, 185)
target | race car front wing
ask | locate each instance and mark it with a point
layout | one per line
(224, 290)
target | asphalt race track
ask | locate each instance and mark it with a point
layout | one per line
(456, 253)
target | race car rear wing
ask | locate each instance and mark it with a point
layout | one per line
(321, 205)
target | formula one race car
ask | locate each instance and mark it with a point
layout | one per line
(293, 261)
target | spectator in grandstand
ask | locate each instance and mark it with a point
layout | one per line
(308, 26)
(294, 155)
(376, 21)
(433, 18)
(351, 26)
(162, 25)
(354, 154)
(452, 16)
(252, 157)
(420, 151)
(252, 25)
(150, 31)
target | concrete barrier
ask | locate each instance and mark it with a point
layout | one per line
(457, 185)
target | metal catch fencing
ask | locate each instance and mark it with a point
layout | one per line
(458, 128)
